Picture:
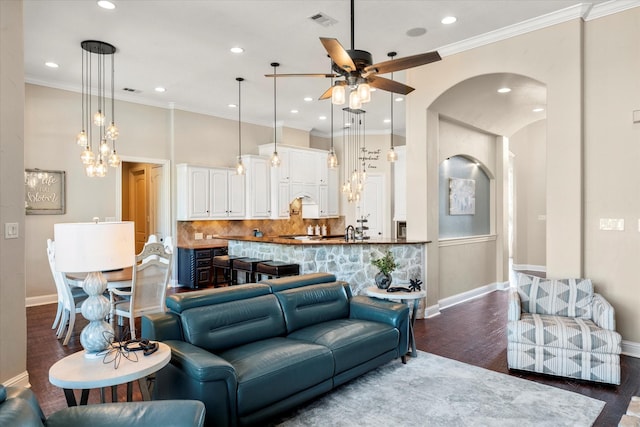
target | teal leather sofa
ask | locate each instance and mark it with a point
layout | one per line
(19, 407)
(251, 352)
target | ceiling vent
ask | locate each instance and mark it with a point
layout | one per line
(128, 89)
(323, 19)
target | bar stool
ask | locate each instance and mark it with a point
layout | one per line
(225, 262)
(276, 269)
(248, 266)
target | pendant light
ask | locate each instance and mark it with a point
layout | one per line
(240, 169)
(275, 160)
(332, 159)
(94, 125)
(392, 156)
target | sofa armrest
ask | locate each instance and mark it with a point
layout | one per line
(392, 313)
(161, 327)
(201, 364)
(140, 414)
(603, 313)
(514, 307)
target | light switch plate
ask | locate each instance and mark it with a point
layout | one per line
(612, 224)
(11, 230)
(197, 236)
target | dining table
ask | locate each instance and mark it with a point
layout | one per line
(120, 278)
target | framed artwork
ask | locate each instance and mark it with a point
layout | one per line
(462, 196)
(44, 192)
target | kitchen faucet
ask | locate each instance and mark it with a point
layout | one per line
(346, 233)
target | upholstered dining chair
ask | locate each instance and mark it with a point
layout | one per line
(149, 283)
(70, 299)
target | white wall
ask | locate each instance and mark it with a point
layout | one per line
(13, 320)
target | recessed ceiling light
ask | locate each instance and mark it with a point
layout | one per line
(448, 20)
(387, 120)
(236, 49)
(322, 117)
(160, 89)
(294, 111)
(308, 98)
(416, 32)
(504, 90)
(105, 4)
(51, 64)
(232, 106)
(538, 110)
(399, 99)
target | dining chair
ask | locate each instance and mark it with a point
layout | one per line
(148, 286)
(70, 299)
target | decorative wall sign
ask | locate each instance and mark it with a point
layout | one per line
(44, 192)
(462, 196)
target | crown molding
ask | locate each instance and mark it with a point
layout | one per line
(608, 8)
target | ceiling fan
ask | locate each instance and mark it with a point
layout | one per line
(359, 71)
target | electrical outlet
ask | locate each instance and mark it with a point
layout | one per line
(198, 236)
(209, 237)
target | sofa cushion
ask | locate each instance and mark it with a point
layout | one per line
(352, 341)
(222, 326)
(313, 304)
(565, 297)
(271, 370)
(563, 332)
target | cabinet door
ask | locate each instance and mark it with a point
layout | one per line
(236, 195)
(283, 200)
(322, 168)
(218, 193)
(333, 193)
(197, 192)
(323, 201)
(258, 190)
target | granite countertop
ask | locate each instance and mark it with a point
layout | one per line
(318, 240)
(204, 244)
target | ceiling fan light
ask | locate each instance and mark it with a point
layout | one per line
(338, 95)
(354, 100)
(364, 92)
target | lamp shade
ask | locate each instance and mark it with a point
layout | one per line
(90, 246)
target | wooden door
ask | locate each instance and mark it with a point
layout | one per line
(138, 205)
(156, 220)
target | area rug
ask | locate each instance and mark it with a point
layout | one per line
(435, 391)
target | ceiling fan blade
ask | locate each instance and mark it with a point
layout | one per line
(390, 85)
(402, 63)
(338, 55)
(326, 94)
(302, 75)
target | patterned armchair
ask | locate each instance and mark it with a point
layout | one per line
(563, 328)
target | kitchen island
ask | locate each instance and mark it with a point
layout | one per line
(349, 261)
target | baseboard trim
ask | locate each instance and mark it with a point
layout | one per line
(20, 380)
(630, 348)
(530, 267)
(434, 310)
(41, 300)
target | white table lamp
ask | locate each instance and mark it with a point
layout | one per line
(94, 247)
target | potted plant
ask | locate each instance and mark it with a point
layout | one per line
(386, 265)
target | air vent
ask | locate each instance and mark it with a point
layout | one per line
(128, 89)
(323, 19)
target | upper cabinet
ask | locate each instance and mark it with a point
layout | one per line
(258, 191)
(209, 193)
(400, 184)
(303, 172)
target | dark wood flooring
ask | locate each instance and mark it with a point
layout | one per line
(473, 332)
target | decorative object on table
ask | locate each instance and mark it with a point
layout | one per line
(93, 248)
(415, 284)
(44, 192)
(386, 265)
(398, 289)
(105, 154)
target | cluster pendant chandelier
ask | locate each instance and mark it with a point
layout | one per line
(354, 149)
(96, 133)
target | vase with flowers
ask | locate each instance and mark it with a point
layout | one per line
(386, 265)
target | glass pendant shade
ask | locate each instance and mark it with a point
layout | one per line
(240, 168)
(364, 92)
(90, 170)
(275, 159)
(354, 100)
(101, 169)
(105, 149)
(81, 139)
(338, 96)
(392, 156)
(114, 159)
(332, 160)
(112, 132)
(98, 118)
(87, 156)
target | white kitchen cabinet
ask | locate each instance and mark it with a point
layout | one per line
(333, 193)
(400, 184)
(258, 191)
(209, 193)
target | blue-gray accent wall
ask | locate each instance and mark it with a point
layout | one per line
(464, 225)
